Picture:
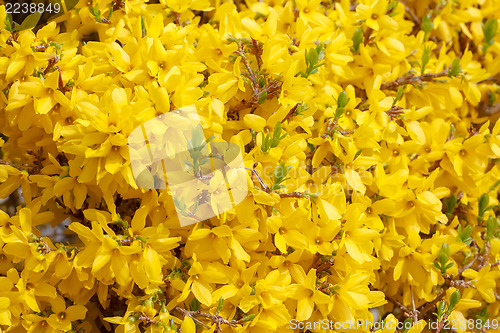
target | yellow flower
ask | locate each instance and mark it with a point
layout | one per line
(64, 316)
(374, 12)
(305, 293)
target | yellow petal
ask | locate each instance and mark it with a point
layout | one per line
(416, 132)
(113, 163)
(354, 180)
(188, 326)
(202, 292)
(255, 122)
(328, 210)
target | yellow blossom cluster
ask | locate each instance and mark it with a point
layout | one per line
(370, 139)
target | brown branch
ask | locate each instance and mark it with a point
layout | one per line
(461, 283)
(257, 50)
(412, 79)
(265, 188)
(398, 303)
(469, 265)
(118, 4)
(214, 318)
(483, 258)
(331, 127)
(497, 263)
(40, 48)
(20, 167)
(273, 87)
(322, 263)
(485, 110)
(429, 305)
(291, 113)
(492, 79)
(298, 195)
(414, 18)
(394, 112)
(251, 74)
(177, 18)
(50, 65)
(414, 313)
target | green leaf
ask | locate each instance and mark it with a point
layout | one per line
(489, 31)
(313, 57)
(443, 258)
(321, 54)
(220, 305)
(277, 130)
(110, 10)
(399, 94)
(249, 318)
(450, 202)
(427, 25)
(31, 21)
(426, 56)
(262, 97)
(454, 299)
(8, 23)
(491, 226)
(407, 324)
(494, 185)
(262, 82)
(342, 100)
(455, 68)
(195, 305)
(440, 309)
(357, 38)
(143, 26)
(482, 204)
(391, 6)
(464, 235)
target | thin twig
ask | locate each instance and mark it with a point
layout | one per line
(415, 19)
(398, 303)
(215, 318)
(291, 113)
(412, 79)
(492, 79)
(414, 312)
(485, 110)
(394, 112)
(298, 195)
(21, 166)
(428, 306)
(257, 52)
(265, 188)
